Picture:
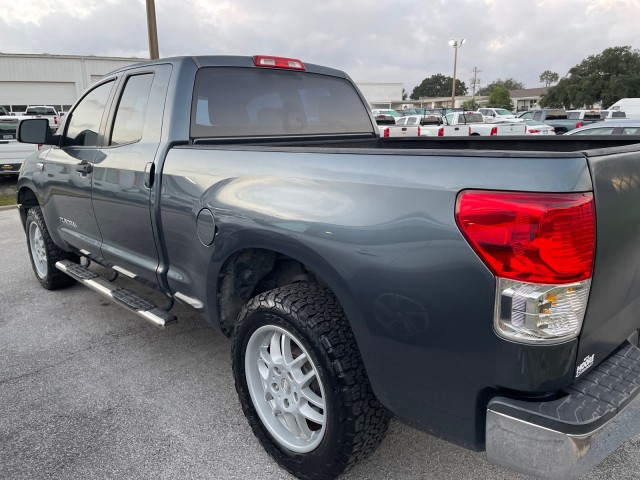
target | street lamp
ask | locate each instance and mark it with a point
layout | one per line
(456, 45)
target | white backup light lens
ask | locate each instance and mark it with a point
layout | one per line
(539, 313)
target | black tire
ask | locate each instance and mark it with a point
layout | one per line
(355, 421)
(44, 254)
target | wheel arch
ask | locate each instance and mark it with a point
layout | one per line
(26, 199)
(253, 269)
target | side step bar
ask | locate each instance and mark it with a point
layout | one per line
(122, 296)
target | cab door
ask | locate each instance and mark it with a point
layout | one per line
(66, 172)
(123, 174)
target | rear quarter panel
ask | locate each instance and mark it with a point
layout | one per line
(379, 228)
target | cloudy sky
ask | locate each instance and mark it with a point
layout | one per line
(402, 41)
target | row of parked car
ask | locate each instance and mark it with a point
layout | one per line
(499, 121)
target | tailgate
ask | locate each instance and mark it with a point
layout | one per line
(613, 312)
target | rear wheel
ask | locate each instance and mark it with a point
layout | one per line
(302, 384)
(44, 253)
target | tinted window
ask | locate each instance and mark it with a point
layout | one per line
(84, 124)
(471, 118)
(573, 115)
(595, 131)
(631, 131)
(40, 111)
(526, 115)
(253, 102)
(8, 130)
(132, 108)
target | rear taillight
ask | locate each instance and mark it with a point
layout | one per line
(386, 133)
(540, 247)
(418, 131)
(278, 62)
(40, 146)
(55, 120)
(469, 131)
(579, 124)
(533, 130)
(494, 131)
(441, 132)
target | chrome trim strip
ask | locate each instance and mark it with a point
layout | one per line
(194, 302)
(124, 271)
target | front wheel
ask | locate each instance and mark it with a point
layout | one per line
(302, 384)
(44, 253)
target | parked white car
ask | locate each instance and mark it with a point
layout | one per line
(535, 127)
(475, 120)
(430, 126)
(12, 152)
(492, 115)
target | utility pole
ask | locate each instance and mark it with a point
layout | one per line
(153, 30)
(475, 81)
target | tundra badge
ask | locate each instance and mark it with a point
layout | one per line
(586, 363)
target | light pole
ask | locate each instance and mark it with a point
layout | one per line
(456, 45)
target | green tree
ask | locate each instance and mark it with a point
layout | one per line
(509, 84)
(471, 105)
(548, 77)
(500, 98)
(438, 86)
(599, 79)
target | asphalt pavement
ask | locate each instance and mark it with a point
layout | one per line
(90, 391)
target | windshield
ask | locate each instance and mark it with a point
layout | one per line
(502, 111)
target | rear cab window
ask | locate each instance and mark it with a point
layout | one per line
(8, 130)
(245, 102)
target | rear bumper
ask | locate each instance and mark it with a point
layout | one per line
(565, 438)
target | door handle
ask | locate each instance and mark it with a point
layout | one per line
(149, 171)
(84, 167)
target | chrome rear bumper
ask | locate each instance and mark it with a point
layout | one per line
(565, 438)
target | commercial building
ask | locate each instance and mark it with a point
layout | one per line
(56, 80)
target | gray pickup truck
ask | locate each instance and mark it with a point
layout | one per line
(484, 290)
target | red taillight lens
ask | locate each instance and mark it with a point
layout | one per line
(441, 132)
(418, 131)
(579, 124)
(494, 131)
(386, 133)
(55, 120)
(278, 62)
(533, 130)
(532, 237)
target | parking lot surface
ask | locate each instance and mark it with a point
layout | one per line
(89, 390)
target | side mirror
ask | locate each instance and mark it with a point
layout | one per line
(35, 130)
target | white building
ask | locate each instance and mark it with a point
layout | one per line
(381, 95)
(56, 80)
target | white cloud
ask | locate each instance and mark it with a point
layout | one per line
(373, 41)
